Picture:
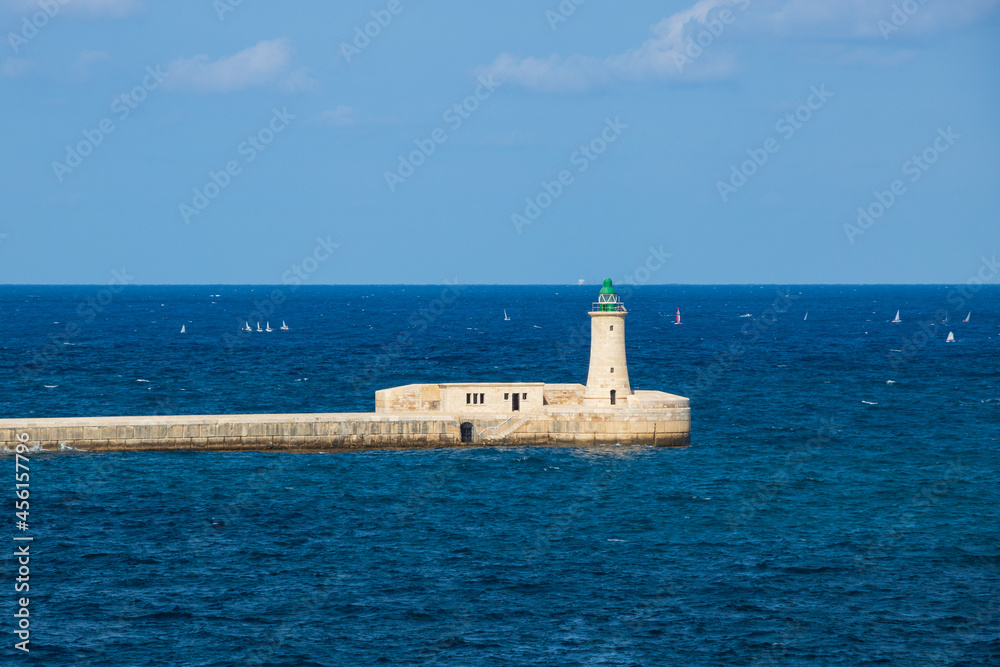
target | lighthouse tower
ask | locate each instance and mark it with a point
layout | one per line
(607, 380)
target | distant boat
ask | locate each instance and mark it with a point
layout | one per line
(806, 317)
(258, 328)
(896, 319)
(183, 329)
(268, 328)
(246, 326)
(505, 318)
(284, 327)
(678, 320)
(950, 338)
(967, 316)
(746, 315)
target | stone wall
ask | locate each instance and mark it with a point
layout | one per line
(491, 397)
(564, 394)
(409, 398)
(346, 432)
(494, 393)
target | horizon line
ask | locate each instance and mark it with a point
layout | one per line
(588, 284)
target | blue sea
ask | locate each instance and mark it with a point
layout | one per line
(839, 503)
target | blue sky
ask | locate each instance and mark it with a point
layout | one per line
(721, 141)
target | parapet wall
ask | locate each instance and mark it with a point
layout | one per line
(477, 397)
(351, 431)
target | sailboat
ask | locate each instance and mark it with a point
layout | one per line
(806, 317)
(505, 318)
(284, 327)
(967, 316)
(258, 328)
(678, 320)
(950, 338)
(183, 328)
(246, 326)
(268, 328)
(896, 319)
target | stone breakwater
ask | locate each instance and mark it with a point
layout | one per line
(605, 411)
(349, 431)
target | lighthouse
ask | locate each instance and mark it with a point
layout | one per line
(607, 380)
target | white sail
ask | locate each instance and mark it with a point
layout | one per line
(183, 329)
(246, 326)
(268, 327)
(258, 327)
(284, 327)
(951, 338)
(896, 319)
(967, 316)
(806, 317)
(505, 318)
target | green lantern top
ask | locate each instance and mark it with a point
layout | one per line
(607, 300)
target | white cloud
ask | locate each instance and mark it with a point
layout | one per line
(12, 68)
(342, 116)
(92, 8)
(297, 81)
(81, 67)
(864, 55)
(262, 65)
(688, 45)
(665, 55)
(859, 19)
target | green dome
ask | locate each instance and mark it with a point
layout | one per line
(608, 298)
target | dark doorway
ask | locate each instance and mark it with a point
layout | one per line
(466, 432)
(612, 397)
(515, 402)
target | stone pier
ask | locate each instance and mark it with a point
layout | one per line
(351, 431)
(605, 411)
